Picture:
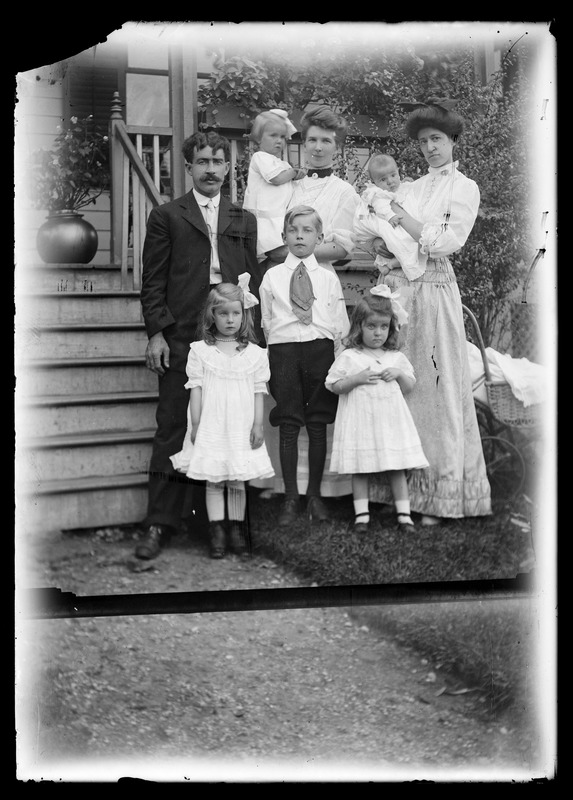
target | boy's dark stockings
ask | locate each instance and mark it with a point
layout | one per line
(288, 452)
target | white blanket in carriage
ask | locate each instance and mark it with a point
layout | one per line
(526, 379)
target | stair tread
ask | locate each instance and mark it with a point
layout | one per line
(91, 267)
(36, 363)
(69, 485)
(89, 326)
(77, 293)
(82, 439)
(91, 398)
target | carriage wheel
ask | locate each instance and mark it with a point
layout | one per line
(505, 468)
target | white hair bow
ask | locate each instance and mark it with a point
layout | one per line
(249, 298)
(381, 290)
(284, 116)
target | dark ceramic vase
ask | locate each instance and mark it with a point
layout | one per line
(66, 238)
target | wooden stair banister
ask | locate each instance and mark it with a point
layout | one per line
(126, 161)
(137, 164)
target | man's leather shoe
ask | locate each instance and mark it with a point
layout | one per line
(151, 545)
(217, 540)
(289, 512)
(316, 509)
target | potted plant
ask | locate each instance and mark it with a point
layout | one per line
(64, 179)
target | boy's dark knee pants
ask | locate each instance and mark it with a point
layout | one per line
(298, 372)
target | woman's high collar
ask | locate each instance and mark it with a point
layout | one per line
(446, 169)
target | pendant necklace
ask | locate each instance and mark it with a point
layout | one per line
(319, 173)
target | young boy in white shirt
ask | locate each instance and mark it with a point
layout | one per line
(304, 318)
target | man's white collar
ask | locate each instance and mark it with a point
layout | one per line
(202, 199)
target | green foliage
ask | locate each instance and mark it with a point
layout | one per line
(74, 172)
(493, 149)
(239, 81)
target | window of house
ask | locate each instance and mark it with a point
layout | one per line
(90, 91)
(147, 100)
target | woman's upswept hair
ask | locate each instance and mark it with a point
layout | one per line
(449, 122)
(226, 293)
(323, 117)
(364, 308)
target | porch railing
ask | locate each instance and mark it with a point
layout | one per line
(133, 194)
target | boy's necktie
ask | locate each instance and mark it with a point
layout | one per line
(301, 296)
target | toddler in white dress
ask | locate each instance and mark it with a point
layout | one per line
(224, 443)
(374, 218)
(374, 431)
(270, 178)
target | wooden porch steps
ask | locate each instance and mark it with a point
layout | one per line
(89, 412)
(82, 375)
(80, 503)
(85, 403)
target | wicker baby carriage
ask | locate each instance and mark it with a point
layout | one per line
(503, 423)
(504, 405)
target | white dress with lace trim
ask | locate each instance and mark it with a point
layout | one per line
(222, 449)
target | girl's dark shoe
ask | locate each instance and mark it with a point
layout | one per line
(360, 524)
(150, 546)
(217, 540)
(405, 523)
(289, 512)
(238, 540)
(316, 509)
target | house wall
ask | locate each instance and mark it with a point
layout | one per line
(41, 107)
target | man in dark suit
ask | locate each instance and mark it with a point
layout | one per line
(189, 247)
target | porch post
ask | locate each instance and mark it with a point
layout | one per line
(177, 90)
(116, 160)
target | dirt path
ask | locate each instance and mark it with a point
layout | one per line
(281, 695)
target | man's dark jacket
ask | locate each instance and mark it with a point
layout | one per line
(176, 257)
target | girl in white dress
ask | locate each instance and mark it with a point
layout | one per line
(270, 178)
(224, 443)
(374, 431)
